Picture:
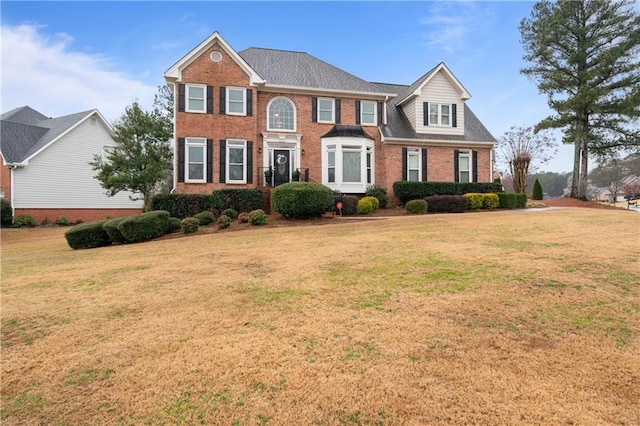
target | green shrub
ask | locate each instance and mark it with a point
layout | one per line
(111, 228)
(145, 226)
(240, 200)
(243, 217)
(380, 193)
(258, 217)
(223, 222)
(349, 204)
(406, 190)
(417, 206)
(233, 214)
(512, 200)
(87, 235)
(6, 213)
(490, 201)
(301, 199)
(537, 191)
(475, 200)
(63, 221)
(205, 217)
(189, 225)
(173, 224)
(24, 221)
(367, 205)
(447, 203)
(182, 205)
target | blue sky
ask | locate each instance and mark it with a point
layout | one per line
(65, 57)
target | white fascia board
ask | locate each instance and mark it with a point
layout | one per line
(410, 141)
(314, 91)
(464, 94)
(174, 73)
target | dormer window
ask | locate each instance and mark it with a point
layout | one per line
(440, 114)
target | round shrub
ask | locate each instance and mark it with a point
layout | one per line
(475, 200)
(490, 201)
(301, 199)
(367, 205)
(233, 214)
(189, 225)
(243, 217)
(223, 221)
(416, 207)
(257, 217)
(87, 235)
(349, 204)
(173, 224)
(205, 218)
(24, 220)
(6, 213)
(111, 228)
(380, 193)
(145, 226)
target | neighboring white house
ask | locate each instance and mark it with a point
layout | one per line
(45, 166)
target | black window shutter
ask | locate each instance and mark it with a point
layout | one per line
(314, 110)
(249, 162)
(424, 164)
(357, 112)
(379, 113)
(338, 111)
(209, 161)
(180, 159)
(249, 102)
(425, 113)
(209, 99)
(223, 155)
(405, 175)
(454, 115)
(181, 97)
(474, 160)
(456, 166)
(223, 99)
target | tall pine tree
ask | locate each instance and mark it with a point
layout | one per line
(585, 56)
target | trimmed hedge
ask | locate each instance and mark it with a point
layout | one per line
(240, 200)
(512, 200)
(417, 206)
(475, 200)
(173, 225)
(490, 201)
(407, 191)
(182, 205)
(301, 199)
(145, 226)
(447, 203)
(87, 235)
(111, 228)
(367, 205)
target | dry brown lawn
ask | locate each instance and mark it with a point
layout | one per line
(518, 317)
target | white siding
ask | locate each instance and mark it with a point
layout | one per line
(60, 176)
(410, 111)
(442, 91)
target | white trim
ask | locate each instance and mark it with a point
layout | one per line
(187, 86)
(440, 115)
(466, 153)
(174, 73)
(339, 146)
(227, 100)
(427, 142)
(322, 92)
(198, 142)
(464, 94)
(415, 151)
(295, 114)
(375, 113)
(237, 143)
(333, 110)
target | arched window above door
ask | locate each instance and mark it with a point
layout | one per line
(282, 114)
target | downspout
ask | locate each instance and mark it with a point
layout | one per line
(175, 157)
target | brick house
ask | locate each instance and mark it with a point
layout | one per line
(257, 117)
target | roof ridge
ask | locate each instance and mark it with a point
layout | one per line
(277, 50)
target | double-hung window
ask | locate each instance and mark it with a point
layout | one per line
(439, 114)
(196, 95)
(368, 113)
(413, 164)
(326, 110)
(331, 163)
(236, 101)
(464, 166)
(236, 161)
(196, 159)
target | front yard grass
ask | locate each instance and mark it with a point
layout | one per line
(505, 317)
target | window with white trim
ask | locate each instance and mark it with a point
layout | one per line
(414, 168)
(439, 114)
(236, 161)
(282, 114)
(347, 164)
(196, 95)
(326, 110)
(464, 166)
(195, 160)
(236, 101)
(368, 113)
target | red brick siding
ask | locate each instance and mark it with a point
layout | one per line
(5, 180)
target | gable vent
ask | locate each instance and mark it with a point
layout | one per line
(216, 56)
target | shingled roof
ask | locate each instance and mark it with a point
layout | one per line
(24, 131)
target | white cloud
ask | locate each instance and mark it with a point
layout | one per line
(45, 73)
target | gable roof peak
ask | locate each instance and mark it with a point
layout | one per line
(416, 87)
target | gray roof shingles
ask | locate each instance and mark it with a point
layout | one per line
(24, 131)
